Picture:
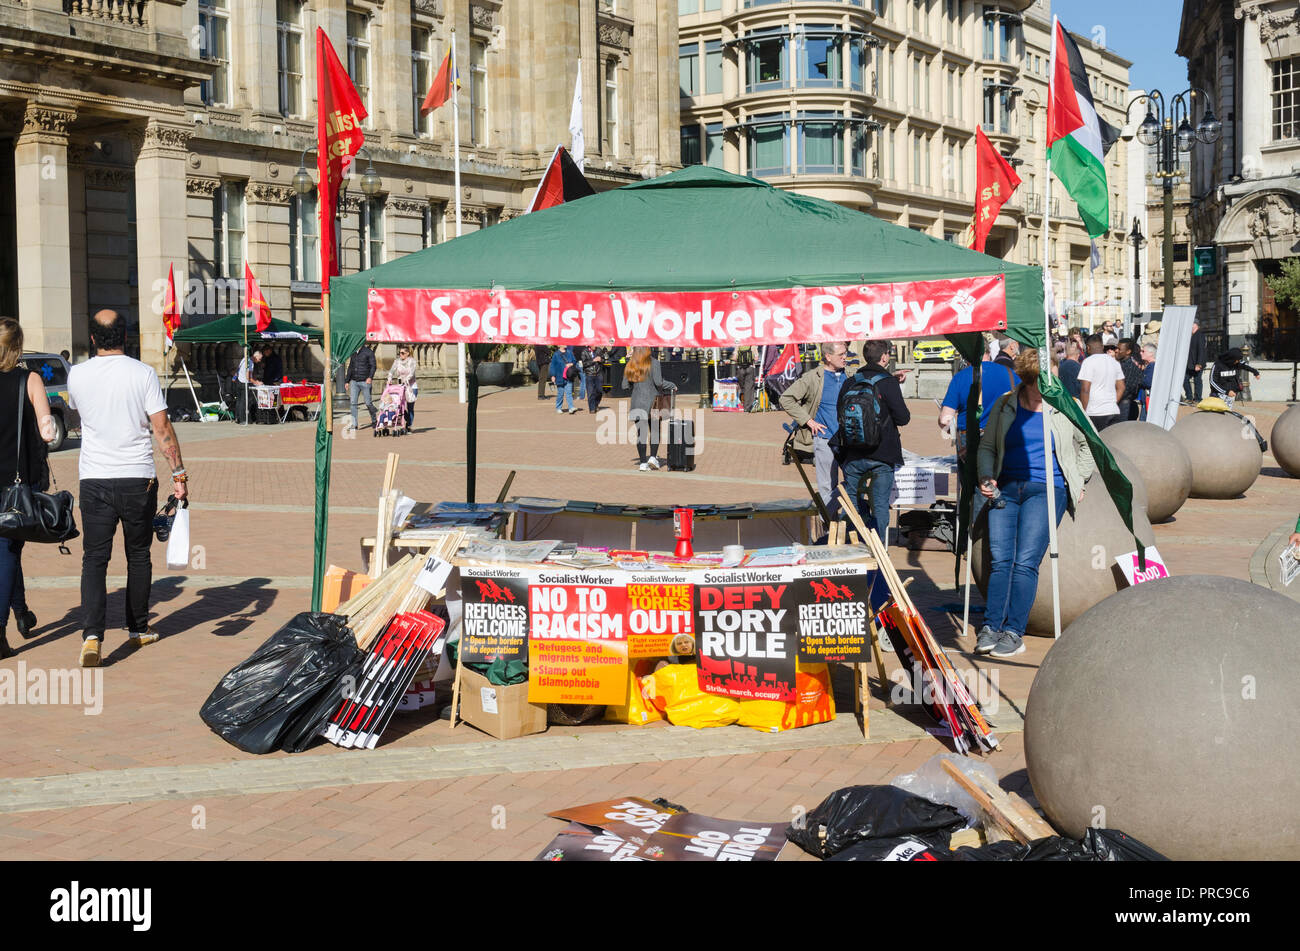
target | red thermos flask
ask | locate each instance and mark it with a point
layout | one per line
(684, 530)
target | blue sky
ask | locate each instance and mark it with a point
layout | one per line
(1144, 31)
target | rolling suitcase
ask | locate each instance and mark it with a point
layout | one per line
(681, 439)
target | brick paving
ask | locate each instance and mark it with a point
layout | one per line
(144, 765)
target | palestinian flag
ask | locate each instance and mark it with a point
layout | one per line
(562, 182)
(1077, 138)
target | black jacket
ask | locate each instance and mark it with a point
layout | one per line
(274, 368)
(362, 367)
(1196, 352)
(897, 414)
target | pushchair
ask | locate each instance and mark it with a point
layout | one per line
(391, 418)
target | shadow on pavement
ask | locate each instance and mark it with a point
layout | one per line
(233, 607)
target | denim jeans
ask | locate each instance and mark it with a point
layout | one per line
(1017, 542)
(360, 388)
(860, 474)
(563, 394)
(1192, 385)
(104, 503)
(595, 390)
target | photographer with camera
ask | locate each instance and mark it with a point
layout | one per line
(122, 406)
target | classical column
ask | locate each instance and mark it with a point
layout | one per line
(161, 233)
(44, 263)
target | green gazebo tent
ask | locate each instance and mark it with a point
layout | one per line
(700, 229)
(232, 330)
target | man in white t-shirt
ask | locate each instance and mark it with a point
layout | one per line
(122, 411)
(1101, 384)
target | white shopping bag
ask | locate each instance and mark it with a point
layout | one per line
(178, 543)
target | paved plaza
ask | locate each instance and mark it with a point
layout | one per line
(146, 779)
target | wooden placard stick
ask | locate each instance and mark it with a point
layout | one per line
(877, 552)
(1005, 811)
(367, 595)
(384, 526)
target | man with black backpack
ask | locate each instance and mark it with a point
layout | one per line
(868, 444)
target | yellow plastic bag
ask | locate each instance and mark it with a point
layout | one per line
(637, 711)
(671, 684)
(704, 710)
(1212, 404)
(813, 703)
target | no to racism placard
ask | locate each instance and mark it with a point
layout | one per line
(833, 620)
(577, 639)
(746, 633)
(494, 615)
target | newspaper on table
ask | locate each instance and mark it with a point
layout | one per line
(499, 550)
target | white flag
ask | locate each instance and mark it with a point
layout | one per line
(1094, 257)
(577, 150)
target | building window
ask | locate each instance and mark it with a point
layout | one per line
(1286, 98)
(997, 108)
(359, 55)
(880, 8)
(952, 13)
(769, 146)
(688, 69)
(821, 148)
(713, 145)
(889, 154)
(304, 238)
(857, 63)
(478, 92)
(687, 7)
(916, 82)
(289, 34)
(713, 67)
(429, 227)
(767, 60)
(228, 230)
(819, 59)
(214, 40)
(690, 145)
(370, 228)
(611, 107)
(858, 149)
(421, 77)
(999, 36)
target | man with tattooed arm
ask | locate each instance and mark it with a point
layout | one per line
(122, 411)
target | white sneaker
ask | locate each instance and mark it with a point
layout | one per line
(560, 411)
(644, 467)
(653, 463)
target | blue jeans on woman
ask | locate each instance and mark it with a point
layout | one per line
(1018, 539)
(858, 474)
(563, 394)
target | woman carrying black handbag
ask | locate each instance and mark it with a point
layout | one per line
(31, 460)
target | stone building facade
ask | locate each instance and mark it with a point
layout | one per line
(1245, 190)
(874, 104)
(153, 133)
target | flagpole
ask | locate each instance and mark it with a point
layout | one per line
(455, 125)
(1053, 550)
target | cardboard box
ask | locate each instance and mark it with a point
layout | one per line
(341, 585)
(504, 712)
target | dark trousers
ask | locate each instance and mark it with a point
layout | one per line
(10, 577)
(595, 389)
(18, 598)
(104, 503)
(1192, 386)
(1101, 422)
(410, 413)
(647, 424)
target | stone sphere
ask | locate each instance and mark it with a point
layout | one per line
(1160, 458)
(1088, 543)
(1226, 458)
(1285, 441)
(1162, 712)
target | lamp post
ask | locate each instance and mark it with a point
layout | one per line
(1139, 242)
(304, 185)
(1168, 125)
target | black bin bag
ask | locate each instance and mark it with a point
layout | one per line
(855, 813)
(280, 696)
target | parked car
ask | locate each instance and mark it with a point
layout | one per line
(933, 351)
(53, 369)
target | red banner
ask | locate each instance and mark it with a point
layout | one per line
(995, 180)
(339, 113)
(688, 318)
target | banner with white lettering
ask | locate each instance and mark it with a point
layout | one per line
(746, 633)
(830, 602)
(691, 837)
(688, 318)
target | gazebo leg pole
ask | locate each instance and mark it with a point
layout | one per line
(471, 435)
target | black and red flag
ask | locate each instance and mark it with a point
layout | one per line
(562, 182)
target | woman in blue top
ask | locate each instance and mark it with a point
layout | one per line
(1013, 475)
(561, 360)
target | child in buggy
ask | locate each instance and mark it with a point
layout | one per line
(391, 420)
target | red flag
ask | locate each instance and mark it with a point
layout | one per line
(440, 90)
(338, 138)
(254, 302)
(995, 180)
(562, 182)
(171, 313)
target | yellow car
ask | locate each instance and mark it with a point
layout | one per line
(934, 351)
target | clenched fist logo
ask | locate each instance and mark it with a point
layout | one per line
(964, 305)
